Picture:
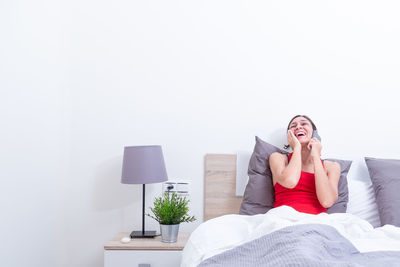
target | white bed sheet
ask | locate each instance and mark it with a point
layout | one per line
(225, 232)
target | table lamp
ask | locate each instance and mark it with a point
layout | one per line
(143, 165)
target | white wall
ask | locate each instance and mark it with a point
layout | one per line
(80, 80)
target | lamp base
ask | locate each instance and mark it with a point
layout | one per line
(145, 234)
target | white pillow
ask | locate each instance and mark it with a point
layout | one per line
(362, 201)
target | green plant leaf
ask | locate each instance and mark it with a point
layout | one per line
(171, 209)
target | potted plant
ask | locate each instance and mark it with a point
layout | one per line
(170, 210)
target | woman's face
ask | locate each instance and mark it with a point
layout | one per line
(302, 129)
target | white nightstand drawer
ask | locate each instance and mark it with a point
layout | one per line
(144, 251)
(132, 258)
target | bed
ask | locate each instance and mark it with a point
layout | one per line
(283, 236)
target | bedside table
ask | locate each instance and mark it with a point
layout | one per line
(144, 251)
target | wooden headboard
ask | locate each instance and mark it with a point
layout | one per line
(220, 186)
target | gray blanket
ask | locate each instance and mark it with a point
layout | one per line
(302, 245)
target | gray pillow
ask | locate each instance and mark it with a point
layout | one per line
(258, 197)
(385, 177)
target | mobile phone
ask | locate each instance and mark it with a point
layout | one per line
(316, 135)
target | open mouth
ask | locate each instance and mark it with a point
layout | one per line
(298, 134)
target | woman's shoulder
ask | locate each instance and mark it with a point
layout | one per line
(278, 156)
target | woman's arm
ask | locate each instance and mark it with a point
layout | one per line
(326, 182)
(326, 179)
(287, 175)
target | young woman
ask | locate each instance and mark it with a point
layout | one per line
(301, 179)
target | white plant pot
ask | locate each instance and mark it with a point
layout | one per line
(169, 233)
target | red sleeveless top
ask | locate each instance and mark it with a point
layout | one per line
(303, 197)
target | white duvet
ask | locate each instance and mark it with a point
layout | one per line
(225, 232)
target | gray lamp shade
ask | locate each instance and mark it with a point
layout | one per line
(143, 165)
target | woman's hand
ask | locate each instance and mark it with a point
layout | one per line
(293, 141)
(315, 146)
